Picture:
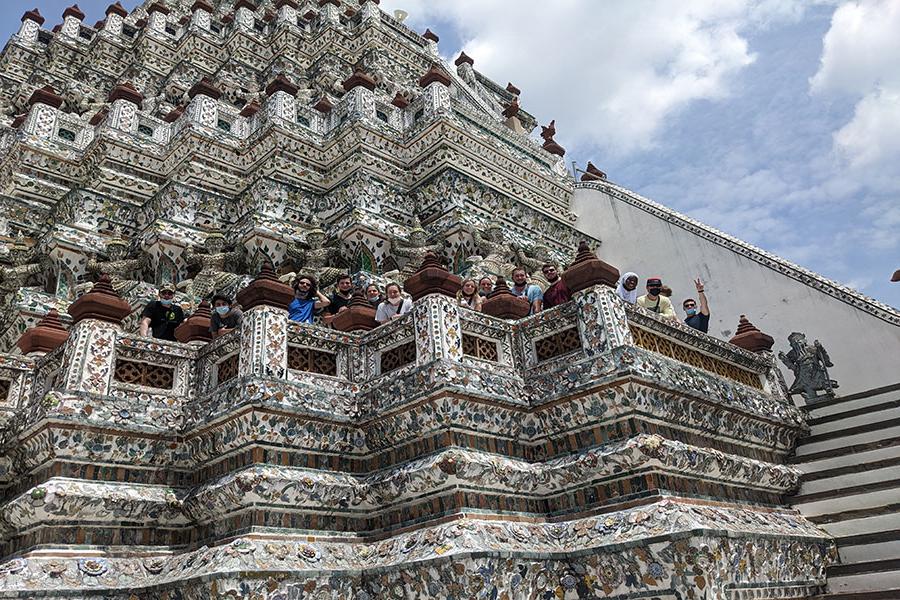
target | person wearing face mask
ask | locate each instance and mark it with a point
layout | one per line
(394, 306)
(627, 288)
(373, 295)
(698, 319)
(162, 316)
(654, 301)
(307, 300)
(225, 318)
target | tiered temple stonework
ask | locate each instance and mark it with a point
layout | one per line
(589, 450)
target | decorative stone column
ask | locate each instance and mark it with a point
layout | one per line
(115, 18)
(602, 322)
(263, 350)
(42, 114)
(204, 106)
(125, 102)
(329, 11)
(431, 41)
(244, 14)
(503, 304)
(281, 102)
(195, 328)
(360, 96)
(30, 27)
(592, 173)
(48, 335)
(201, 15)
(157, 13)
(322, 121)
(437, 328)
(90, 355)
(750, 338)
(287, 11)
(436, 95)
(244, 124)
(72, 18)
(432, 278)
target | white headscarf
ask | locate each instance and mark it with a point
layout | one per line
(629, 297)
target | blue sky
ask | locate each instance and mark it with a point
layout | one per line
(777, 121)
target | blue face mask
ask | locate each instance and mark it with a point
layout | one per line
(223, 310)
(165, 301)
(690, 311)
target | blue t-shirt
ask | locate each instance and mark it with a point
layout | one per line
(531, 292)
(301, 310)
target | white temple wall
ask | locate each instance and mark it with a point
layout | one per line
(865, 349)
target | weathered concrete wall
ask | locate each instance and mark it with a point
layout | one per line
(644, 237)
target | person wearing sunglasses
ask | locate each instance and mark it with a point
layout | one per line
(307, 300)
(697, 318)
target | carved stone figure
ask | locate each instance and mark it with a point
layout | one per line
(810, 363)
(414, 250)
(496, 254)
(533, 260)
(214, 263)
(118, 265)
(325, 261)
(16, 274)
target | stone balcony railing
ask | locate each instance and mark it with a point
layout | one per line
(111, 378)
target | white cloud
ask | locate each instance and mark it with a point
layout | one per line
(860, 58)
(611, 74)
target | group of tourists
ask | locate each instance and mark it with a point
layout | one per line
(161, 317)
(657, 300)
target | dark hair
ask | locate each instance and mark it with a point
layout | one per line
(485, 277)
(344, 276)
(374, 285)
(688, 300)
(312, 284)
(392, 284)
(545, 265)
(519, 269)
(221, 297)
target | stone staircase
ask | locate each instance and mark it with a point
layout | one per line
(851, 488)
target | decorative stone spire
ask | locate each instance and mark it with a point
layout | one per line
(116, 9)
(250, 109)
(593, 173)
(74, 11)
(896, 276)
(750, 338)
(549, 144)
(434, 74)
(359, 316)
(101, 303)
(45, 95)
(126, 91)
(503, 304)
(511, 109)
(173, 114)
(204, 87)
(464, 59)
(33, 15)
(432, 278)
(513, 89)
(281, 84)
(359, 78)
(587, 271)
(324, 105)
(431, 36)
(48, 335)
(196, 327)
(266, 290)
(400, 101)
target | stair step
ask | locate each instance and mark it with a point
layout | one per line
(852, 443)
(869, 577)
(841, 423)
(854, 409)
(847, 485)
(891, 594)
(851, 530)
(850, 479)
(876, 427)
(842, 507)
(852, 463)
(868, 552)
(822, 408)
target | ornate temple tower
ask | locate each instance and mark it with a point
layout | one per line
(589, 450)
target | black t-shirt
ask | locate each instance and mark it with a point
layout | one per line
(699, 322)
(337, 301)
(163, 319)
(230, 321)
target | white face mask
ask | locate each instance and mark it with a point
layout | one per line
(395, 301)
